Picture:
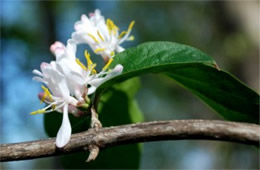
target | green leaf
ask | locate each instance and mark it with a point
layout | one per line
(193, 70)
(117, 106)
(118, 99)
(226, 94)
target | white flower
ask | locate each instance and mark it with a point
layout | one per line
(78, 75)
(94, 79)
(68, 80)
(67, 65)
(58, 99)
(102, 36)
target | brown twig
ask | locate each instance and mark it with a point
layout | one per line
(95, 125)
(133, 133)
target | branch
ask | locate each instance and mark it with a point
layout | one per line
(142, 132)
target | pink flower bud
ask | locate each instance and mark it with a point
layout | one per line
(57, 48)
(40, 95)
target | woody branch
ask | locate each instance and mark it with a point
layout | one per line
(141, 132)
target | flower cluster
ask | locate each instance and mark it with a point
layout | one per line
(67, 81)
(102, 36)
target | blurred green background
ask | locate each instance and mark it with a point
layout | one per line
(226, 30)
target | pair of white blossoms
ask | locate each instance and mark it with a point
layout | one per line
(70, 81)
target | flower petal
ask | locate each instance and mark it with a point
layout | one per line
(119, 49)
(39, 79)
(71, 48)
(64, 133)
(37, 72)
(91, 90)
(96, 82)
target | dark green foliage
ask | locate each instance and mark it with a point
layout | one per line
(195, 71)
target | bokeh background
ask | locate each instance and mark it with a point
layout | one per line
(226, 30)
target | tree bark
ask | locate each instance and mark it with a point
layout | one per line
(141, 132)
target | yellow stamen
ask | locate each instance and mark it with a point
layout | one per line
(131, 38)
(100, 36)
(38, 112)
(93, 37)
(131, 25)
(112, 53)
(46, 94)
(81, 65)
(99, 50)
(53, 107)
(112, 28)
(91, 66)
(87, 56)
(108, 64)
(122, 34)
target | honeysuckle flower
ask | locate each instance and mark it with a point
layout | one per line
(71, 109)
(97, 79)
(77, 74)
(69, 82)
(67, 65)
(102, 36)
(58, 98)
(94, 79)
